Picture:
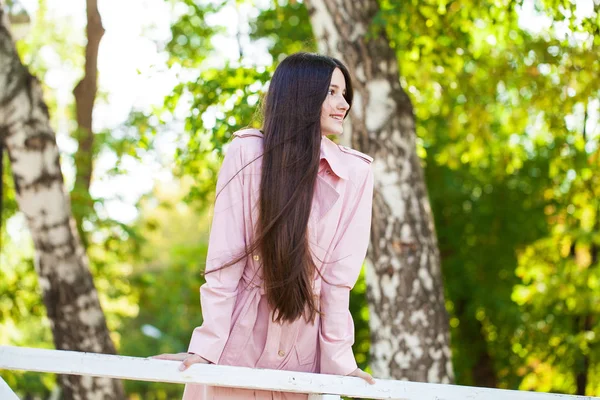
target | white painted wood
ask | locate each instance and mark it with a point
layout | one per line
(6, 392)
(145, 369)
(323, 397)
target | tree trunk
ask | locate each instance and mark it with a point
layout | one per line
(408, 319)
(85, 95)
(70, 297)
(582, 364)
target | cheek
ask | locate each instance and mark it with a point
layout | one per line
(326, 109)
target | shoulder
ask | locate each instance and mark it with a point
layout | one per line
(246, 141)
(248, 133)
(359, 166)
(355, 154)
(358, 163)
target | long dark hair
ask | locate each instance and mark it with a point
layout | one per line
(292, 143)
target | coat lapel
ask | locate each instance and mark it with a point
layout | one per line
(325, 194)
(324, 199)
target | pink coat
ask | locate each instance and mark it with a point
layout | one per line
(237, 328)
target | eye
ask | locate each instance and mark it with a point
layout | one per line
(331, 91)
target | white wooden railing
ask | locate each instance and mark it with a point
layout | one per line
(319, 387)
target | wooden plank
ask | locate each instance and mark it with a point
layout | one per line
(145, 369)
(6, 392)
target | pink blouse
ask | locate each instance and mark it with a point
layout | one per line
(237, 327)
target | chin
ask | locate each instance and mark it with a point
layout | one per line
(335, 132)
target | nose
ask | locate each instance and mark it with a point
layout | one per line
(343, 104)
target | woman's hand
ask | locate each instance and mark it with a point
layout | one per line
(187, 359)
(359, 373)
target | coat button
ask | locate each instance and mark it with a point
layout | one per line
(281, 353)
(256, 257)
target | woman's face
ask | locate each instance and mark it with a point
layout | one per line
(334, 107)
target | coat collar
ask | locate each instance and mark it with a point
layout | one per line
(332, 153)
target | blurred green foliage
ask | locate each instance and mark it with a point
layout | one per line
(23, 319)
(166, 278)
(504, 132)
(507, 124)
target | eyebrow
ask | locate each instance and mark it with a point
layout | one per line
(337, 87)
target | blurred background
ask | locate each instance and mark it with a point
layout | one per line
(506, 98)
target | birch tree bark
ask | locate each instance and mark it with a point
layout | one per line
(69, 294)
(408, 319)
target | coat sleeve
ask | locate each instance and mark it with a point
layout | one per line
(226, 241)
(336, 334)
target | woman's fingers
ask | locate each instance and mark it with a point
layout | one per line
(190, 360)
(169, 356)
(359, 373)
(186, 358)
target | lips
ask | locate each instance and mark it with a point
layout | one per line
(338, 117)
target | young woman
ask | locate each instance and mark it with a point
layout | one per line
(290, 232)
